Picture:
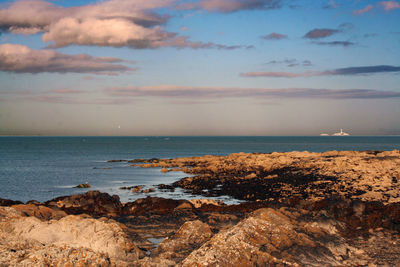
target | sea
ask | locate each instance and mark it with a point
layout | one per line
(42, 168)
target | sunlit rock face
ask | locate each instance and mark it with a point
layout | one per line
(271, 237)
(365, 175)
(103, 239)
(310, 209)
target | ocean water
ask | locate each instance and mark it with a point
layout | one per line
(42, 168)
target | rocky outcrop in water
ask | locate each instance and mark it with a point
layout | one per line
(368, 175)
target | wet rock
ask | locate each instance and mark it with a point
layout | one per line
(152, 160)
(85, 185)
(117, 160)
(149, 190)
(137, 188)
(166, 187)
(151, 205)
(198, 203)
(8, 202)
(93, 203)
(278, 176)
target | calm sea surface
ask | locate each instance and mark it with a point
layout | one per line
(42, 168)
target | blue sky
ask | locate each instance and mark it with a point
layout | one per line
(201, 67)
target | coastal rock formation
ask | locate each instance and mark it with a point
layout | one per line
(40, 211)
(85, 185)
(173, 249)
(189, 237)
(302, 209)
(99, 237)
(330, 231)
(93, 203)
(366, 175)
(8, 202)
(270, 237)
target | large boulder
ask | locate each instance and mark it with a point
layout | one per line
(189, 237)
(101, 236)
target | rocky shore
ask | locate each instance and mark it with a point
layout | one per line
(301, 209)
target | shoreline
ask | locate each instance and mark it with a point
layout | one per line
(333, 208)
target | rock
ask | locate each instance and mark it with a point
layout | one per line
(93, 203)
(164, 170)
(166, 187)
(149, 190)
(269, 237)
(151, 205)
(117, 160)
(152, 160)
(16, 252)
(189, 237)
(103, 236)
(364, 175)
(198, 203)
(40, 211)
(85, 185)
(126, 187)
(137, 188)
(8, 202)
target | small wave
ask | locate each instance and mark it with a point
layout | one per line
(64, 186)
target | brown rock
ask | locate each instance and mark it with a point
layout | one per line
(189, 237)
(151, 205)
(85, 185)
(269, 237)
(92, 202)
(137, 188)
(101, 236)
(8, 202)
(40, 212)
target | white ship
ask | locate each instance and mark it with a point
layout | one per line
(341, 133)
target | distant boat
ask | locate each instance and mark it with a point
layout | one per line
(341, 133)
(324, 134)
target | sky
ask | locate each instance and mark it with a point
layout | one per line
(199, 67)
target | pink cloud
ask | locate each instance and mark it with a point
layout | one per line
(364, 10)
(187, 92)
(230, 6)
(115, 23)
(75, 101)
(22, 59)
(66, 91)
(274, 36)
(359, 70)
(389, 5)
(277, 74)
